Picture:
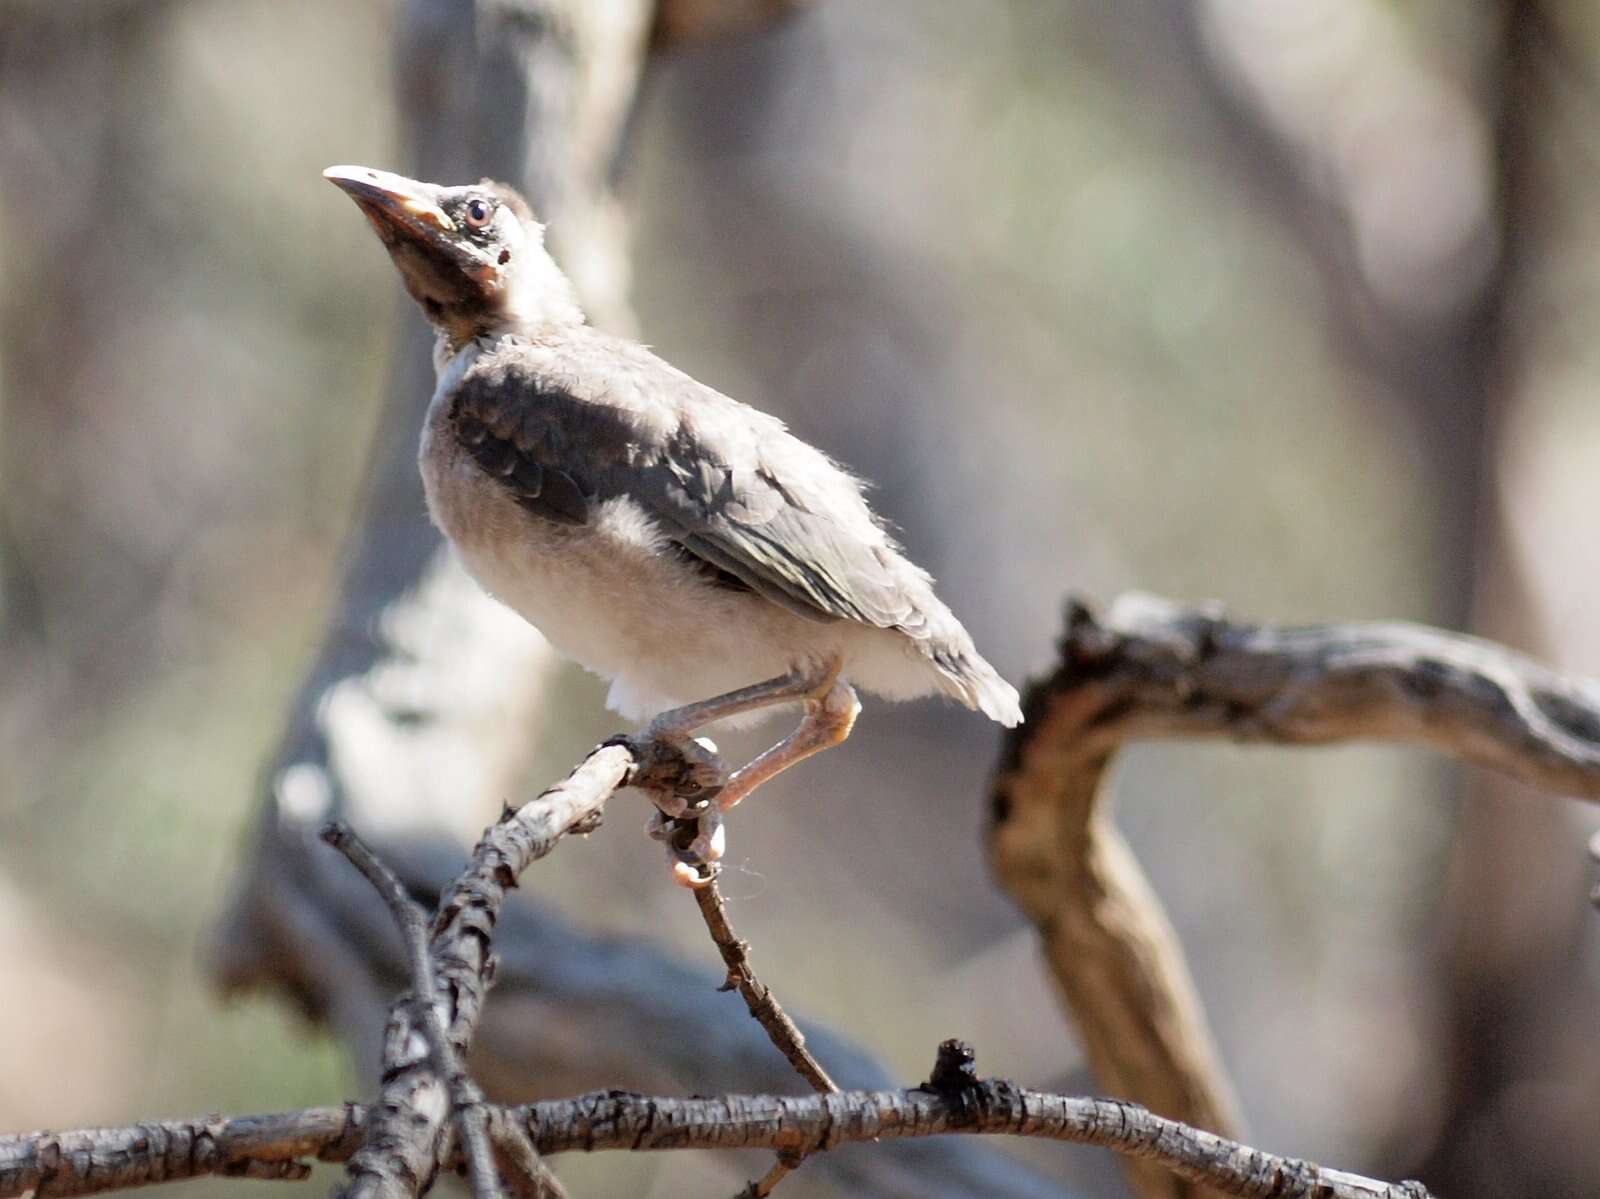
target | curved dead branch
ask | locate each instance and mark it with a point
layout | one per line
(1152, 669)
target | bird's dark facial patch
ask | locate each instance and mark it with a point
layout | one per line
(453, 246)
(457, 275)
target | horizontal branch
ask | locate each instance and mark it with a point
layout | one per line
(1160, 670)
(274, 1146)
(88, 1161)
(815, 1123)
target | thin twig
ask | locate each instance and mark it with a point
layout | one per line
(466, 1100)
(786, 1165)
(764, 1006)
(758, 997)
(521, 1168)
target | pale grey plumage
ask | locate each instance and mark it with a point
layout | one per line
(667, 537)
(568, 426)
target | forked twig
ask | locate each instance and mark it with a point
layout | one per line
(466, 1100)
(402, 1148)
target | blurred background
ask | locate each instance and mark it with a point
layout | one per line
(1284, 303)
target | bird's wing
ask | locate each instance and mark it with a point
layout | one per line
(725, 483)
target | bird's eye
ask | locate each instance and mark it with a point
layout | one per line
(479, 213)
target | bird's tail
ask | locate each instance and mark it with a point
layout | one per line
(967, 677)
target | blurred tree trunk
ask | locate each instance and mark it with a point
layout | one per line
(1515, 988)
(74, 655)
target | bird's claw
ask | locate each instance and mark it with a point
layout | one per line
(695, 844)
(683, 775)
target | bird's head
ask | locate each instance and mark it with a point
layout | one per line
(472, 256)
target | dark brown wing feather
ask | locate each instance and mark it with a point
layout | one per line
(727, 484)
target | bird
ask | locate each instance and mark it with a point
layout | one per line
(685, 547)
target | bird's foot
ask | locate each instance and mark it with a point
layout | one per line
(695, 844)
(688, 782)
(683, 777)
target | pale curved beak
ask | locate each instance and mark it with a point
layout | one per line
(393, 203)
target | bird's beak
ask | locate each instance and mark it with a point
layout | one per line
(397, 207)
(438, 264)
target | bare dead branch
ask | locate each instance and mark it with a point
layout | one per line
(1160, 670)
(89, 1161)
(403, 1146)
(758, 997)
(521, 1168)
(954, 1101)
(466, 1100)
(766, 1010)
(1153, 669)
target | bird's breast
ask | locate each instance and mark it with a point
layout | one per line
(610, 594)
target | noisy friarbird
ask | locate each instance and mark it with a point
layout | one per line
(685, 547)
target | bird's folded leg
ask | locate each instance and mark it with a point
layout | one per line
(827, 722)
(808, 683)
(693, 831)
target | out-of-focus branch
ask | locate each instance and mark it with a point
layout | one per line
(954, 1100)
(1153, 669)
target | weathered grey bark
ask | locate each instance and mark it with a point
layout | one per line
(1155, 670)
(426, 694)
(88, 1161)
(404, 1143)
